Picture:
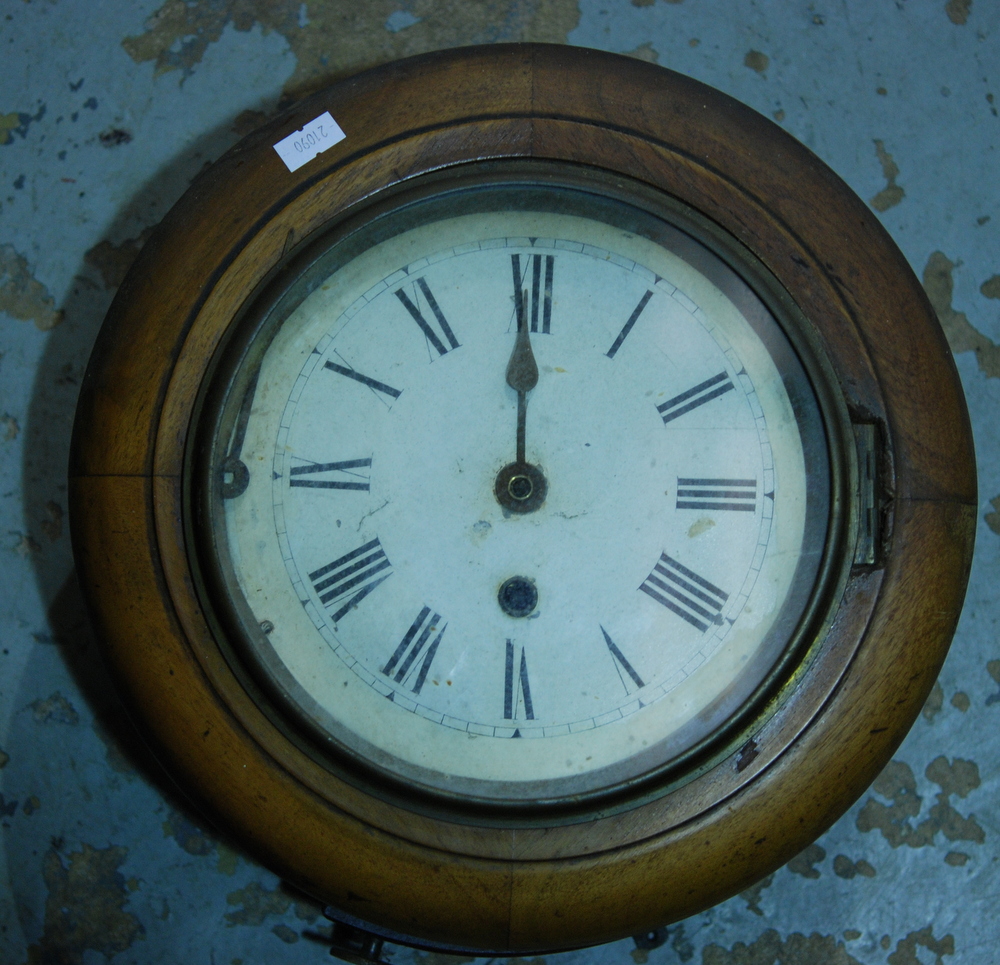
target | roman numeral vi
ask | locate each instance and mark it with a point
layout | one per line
(516, 688)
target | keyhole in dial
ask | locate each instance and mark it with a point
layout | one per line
(518, 596)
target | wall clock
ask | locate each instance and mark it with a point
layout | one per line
(534, 515)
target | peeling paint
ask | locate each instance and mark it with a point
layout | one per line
(257, 904)
(286, 934)
(958, 10)
(960, 701)
(993, 519)
(18, 122)
(31, 806)
(26, 544)
(55, 708)
(338, 38)
(803, 863)
(757, 61)
(21, 296)
(228, 859)
(645, 52)
(752, 895)
(52, 524)
(892, 193)
(993, 669)
(898, 784)
(906, 948)
(956, 858)
(84, 908)
(844, 867)
(113, 261)
(770, 949)
(4, 758)
(11, 427)
(961, 335)
(188, 836)
(991, 287)
(933, 703)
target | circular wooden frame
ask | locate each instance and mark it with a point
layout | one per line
(487, 886)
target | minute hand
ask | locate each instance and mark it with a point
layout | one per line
(522, 377)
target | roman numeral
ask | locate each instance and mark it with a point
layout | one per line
(515, 688)
(425, 326)
(623, 334)
(685, 593)
(541, 292)
(703, 392)
(363, 379)
(738, 495)
(353, 577)
(411, 646)
(314, 468)
(621, 663)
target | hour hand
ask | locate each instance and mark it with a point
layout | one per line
(522, 370)
(521, 487)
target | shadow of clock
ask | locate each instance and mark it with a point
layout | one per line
(64, 680)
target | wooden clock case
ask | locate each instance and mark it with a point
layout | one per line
(808, 751)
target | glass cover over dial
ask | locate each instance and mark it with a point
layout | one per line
(516, 493)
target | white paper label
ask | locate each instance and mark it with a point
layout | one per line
(314, 138)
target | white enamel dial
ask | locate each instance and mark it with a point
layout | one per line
(370, 545)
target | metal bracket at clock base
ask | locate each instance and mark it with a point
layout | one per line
(360, 942)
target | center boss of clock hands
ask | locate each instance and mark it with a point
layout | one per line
(520, 487)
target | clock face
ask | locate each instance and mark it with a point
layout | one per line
(516, 493)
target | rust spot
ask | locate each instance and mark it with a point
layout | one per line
(894, 821)
(803, 863)
(892, 193)
(21, 296)
(113, 261)
(645, 52)
(752, 895)
(906, 948)
(934, 703)
(329, 44)
(958, 10)
(796, 949)
(993, 519)
(84, 908)
(961, 335)
(843, 867)
(55, 708)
